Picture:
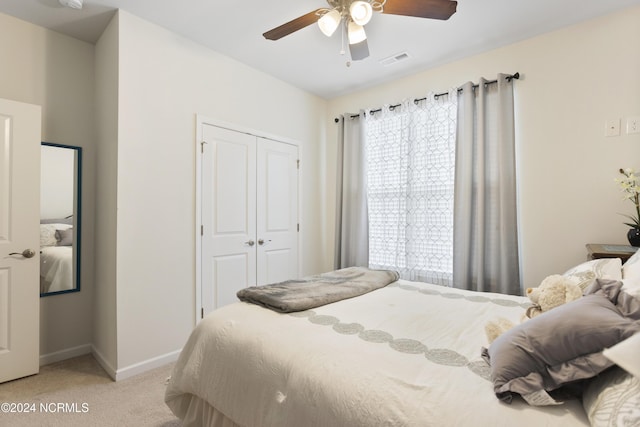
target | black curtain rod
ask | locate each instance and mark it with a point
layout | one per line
(391, 107)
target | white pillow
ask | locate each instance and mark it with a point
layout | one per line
(613, 399)
(632, 287)
(603, 268)
(48, 233)
(631, 275)
(626, 354)
(631, 268)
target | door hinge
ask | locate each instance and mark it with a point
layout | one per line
(298, 227)
(298, 163)
(202, 146)
(202, 230)
(202, 312)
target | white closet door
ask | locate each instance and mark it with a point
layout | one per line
(19, 233)
(277, 195)
(228, 215)
(249, 214)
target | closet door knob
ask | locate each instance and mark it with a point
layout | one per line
(250, 242)
(262, 242)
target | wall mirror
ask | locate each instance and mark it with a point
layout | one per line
(60, 218)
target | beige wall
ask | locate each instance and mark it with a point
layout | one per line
(106, 87)
(55, 71)
(573, 80)
(163, 82)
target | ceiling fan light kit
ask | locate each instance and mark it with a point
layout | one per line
(73, 4)
(354, 14)
(329, 22)
(360, 12)
(356, 33)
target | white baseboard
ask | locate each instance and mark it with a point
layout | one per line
(139, 368)
(57, 356)
(115, 374)
(103, 362)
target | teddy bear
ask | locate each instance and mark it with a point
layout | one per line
(553, 291)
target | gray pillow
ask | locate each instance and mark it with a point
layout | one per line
(64, 237)
(562, 346)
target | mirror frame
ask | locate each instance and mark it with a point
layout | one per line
(77, 214)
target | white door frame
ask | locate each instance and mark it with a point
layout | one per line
(200, 122)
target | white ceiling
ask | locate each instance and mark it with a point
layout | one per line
(309, 60)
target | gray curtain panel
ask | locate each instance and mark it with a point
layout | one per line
(485, 243)
(352, 224)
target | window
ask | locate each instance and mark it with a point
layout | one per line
(410, 162)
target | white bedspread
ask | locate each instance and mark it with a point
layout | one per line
(56, 268)
(404, 355)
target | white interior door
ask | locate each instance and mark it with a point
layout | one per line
(19, 233)
(228, 215)
(277, 196)
(248, 198)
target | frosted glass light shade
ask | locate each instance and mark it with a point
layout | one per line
(356, 33)
(329, 22)
(360, 12)
(74, 4)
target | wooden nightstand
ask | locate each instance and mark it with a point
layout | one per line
(602, 250)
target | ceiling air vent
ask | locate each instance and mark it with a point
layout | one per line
(394, 59)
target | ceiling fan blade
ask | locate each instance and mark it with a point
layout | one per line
(293, 25)
(359, 51)
(434, 9)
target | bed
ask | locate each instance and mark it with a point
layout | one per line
(406, 354)
(56, 255)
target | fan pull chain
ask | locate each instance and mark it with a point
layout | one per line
(344, 29)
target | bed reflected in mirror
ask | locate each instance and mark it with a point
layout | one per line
(60, 218)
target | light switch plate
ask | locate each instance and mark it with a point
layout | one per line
(612, 127)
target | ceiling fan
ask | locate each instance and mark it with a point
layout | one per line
(355, 14)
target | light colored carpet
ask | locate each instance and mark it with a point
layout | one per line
(77, 392)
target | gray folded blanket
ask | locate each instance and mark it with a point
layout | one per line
(314, 291)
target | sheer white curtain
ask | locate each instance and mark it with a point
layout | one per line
(352, 239)
(485, 228)
(410, 158)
